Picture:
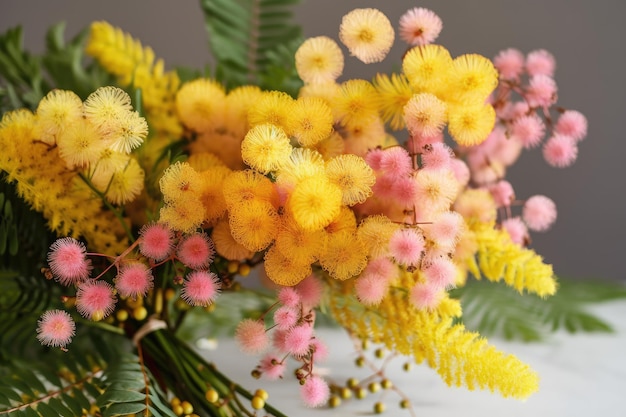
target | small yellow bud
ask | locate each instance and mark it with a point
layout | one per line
(360, 361)
(352, 382)
(405, 403)
(346, 393)
(379, 353)
(407, 366)
(175, 401)
(360, 393)
(261, 393)
(121, 315)
(233, 266)
(211, 395)
(187, 407)
(244, 270)
(386, 383)
(178, 410)
(379, 408)
(373, 387)
(334, 401)
(140, 313)
(257, 402)
(170, 293)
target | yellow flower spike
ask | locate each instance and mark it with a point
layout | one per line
(271, 107)
(197, 102)
(265, 148)
(357, 103)
(285, 270)
(311, 121)
(226, 245)
(56, 111)
(470, 125)
(367, 33)
(315, 202)
(427, 68)
(254, 224)
(354, 177)
(393, 92)
(319, 60)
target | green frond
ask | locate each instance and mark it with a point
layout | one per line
(253, 42)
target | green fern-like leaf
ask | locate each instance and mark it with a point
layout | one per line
(494, 309)
(248, 38)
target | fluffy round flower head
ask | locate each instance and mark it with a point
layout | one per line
(298, 339)
(302, 163)
(370, 289)
(197, 101)
(56, 111)
(445, 230)
(541, 91)
(353, 176)
(381, 267)
(200, 288)
(393, 94)
(202, 161)
(436, 190)
(367, 33)
(440, 273)
(285, 317)
(319, 60)
(516, 229)
(95, 299)
(315, 392)
(427, 68)
(406, 246)
(68, 261)
(310, 290)
(540, 62)
(124, 185)
(254, 224)
(509, 63)
(302, 245)
(272, 107)
(374, 158)
(265, 147)
(344, 257)
(395, 162)
(375, 232)
(211, 192)
(272, 367)
(320, 350)
(344, 222)
(415, 143)
(331, 146)
(419, 26)
(128, 133)
(196, 251)
(80, 145)
(425, 115)
(437, 157)
(473, 78)
(357, 103)
(528, 129)
(471, 124)
(461, 171)
(55, 328)
(403, 190)
(284, 270)
(246, 186)
(179, 179)
(573, 124)
(539, 213)
(425, 297)
(360, 138)
(251, 336)
(315, 202)
(185, 214)
(105, 106)
(289, 297)
(225, 245)
(134, 280)
(476, 204)
(109, 162)
(311, 120)
(502, 193)
(560, 151)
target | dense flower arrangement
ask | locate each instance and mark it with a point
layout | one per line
(348, 196)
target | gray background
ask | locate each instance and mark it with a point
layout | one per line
(586, 36)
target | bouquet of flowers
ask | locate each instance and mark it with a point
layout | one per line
(135, 200)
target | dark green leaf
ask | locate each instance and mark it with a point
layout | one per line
(73, 404)
(119, 396)
(46, 411)
(60, 408)
(10, 393)
(81, 398)
(123, 409)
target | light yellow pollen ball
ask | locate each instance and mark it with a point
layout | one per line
(319, 60)
(367, 33)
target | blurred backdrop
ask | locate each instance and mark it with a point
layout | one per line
(586, 37)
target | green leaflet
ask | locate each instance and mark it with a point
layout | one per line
(495, 309)
(254, 42)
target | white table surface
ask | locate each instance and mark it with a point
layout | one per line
(581, 375)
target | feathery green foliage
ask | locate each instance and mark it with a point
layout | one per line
(253, 42)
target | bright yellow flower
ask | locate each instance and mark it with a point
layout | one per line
(271, 107)
(319, 60)
(311, 121)
(330, 147)
(361, 138)
(326, 91)
(473, 78)
(357, 103)
(354, 177)
(375, 232)
(436, 190)
(128, 133)
(122, 186)
(476, 205)
(201, 161)
(254, 224)
(470, 124)
(56, 111)
(105, 106)
(179, 180)
(302, 245)
(427, 68)
(225, 245)
(185, 214)
(393, 92)
(302, 163)
(367, 33)
(285, 270)
(344, 257)
(197, 101)
(314, 202)
(244, 186)
(211, 192)
(425, 115)
(344, 222)
(265, 148)
(80, 145)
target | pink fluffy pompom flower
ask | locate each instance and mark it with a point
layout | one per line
(156, 241)
(419, 26)
(55, 328)
(134, 280)
(200, 288)
(251, 336)
(315, 392)
(539, 213)
(95, 300)
(68, 261)
(196, 251)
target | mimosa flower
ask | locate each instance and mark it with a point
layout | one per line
(55, 328)
(502, 193)
(298, 339)
(528, 129)
(472, 79)
(395, 162)
(122, 186)
(427, 68)
(80, 145)
(289, 297)
(196, 251)
(134, 280)
(272, 367)
(304, 246)
(246, 186)
(517, 230)
(425, 297)
(315, 391)
(425, 115)
(226, 245)
(393, 94)
(573, 124)
(540, 62)
(197, 101)
(254, 224)
(285, 270)
(200, 288)
(105, 106)
(370, 289)
(541, 91)
(539, 213)
(356, 103)
(311, 121)
(353, 176)
(470, 124)
(437, 156)
(185, 214)
(419, 26)
(509, 63)
(285, 317)
(179, 179)
(440, 273)
(95, 300)
(344, 256)
(315, 202)
(560, 151)
(406, 246)
(265, 147)
(56, 111)
(68, 261)
(310, 290)
(319, 60)
(128, 133)
(271, 107)
(367, 33)
(251, 336)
